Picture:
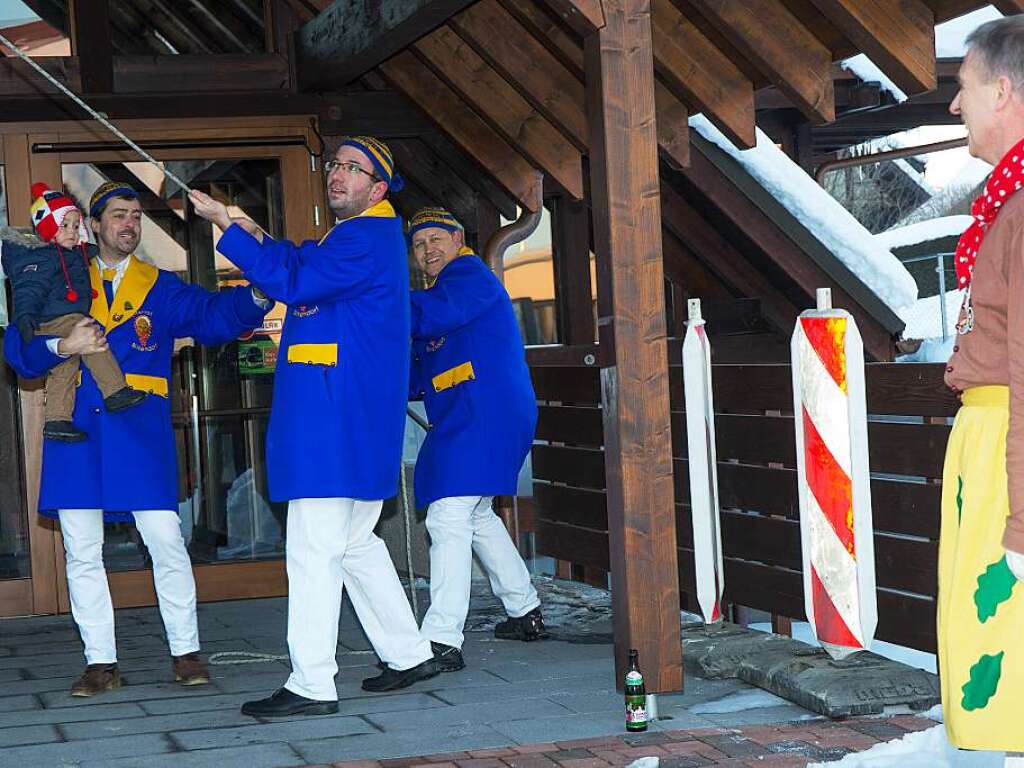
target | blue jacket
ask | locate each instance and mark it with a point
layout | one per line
(38, 285)
(470, 368)
(338, 412)
(129, 460)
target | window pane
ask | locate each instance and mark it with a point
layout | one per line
(220, 395)
(34, 34)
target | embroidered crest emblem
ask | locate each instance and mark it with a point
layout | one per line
(435, 344)
(143, 326)
(30, 268)
(305, 311)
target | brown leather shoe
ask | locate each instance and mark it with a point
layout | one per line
(97, 678)
(190, 670)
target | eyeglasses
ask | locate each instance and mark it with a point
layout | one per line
(348, 167)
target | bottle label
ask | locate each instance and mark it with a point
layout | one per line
(634, 678)
(636, 713)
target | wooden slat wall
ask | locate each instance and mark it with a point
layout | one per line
(757, 481)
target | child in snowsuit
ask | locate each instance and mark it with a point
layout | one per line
(52, 293)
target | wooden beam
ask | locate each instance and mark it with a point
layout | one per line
(709, 245)
(780, 46)
(465, 167)
(349, 39)
(627, 234)
(455, 119)
(673, 126)
(488, 221)
(684, 269)
(414, 159)
(503, 106)
(584, 16)
(570, 245)
(91, 43)
(897, 35)
(524, 61)
(1009, 7)
(701, 74)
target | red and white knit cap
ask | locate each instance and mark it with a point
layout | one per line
(48, 211)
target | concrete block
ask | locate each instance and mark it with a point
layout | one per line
(382, 746)
(292, 730)
(139, 748)
(262, 756)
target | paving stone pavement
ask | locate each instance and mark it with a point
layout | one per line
(516, 704)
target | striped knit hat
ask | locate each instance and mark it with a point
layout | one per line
(425, 218)
(48, 210)
(380, 155)
(105, 192)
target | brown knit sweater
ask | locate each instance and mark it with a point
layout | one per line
(993, 353)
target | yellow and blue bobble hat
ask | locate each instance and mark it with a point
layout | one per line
(425, 218)
(381, 157)
(105, 192)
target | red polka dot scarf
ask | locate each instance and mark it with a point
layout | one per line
(1006, 178)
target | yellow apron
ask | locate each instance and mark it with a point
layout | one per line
(980, 605)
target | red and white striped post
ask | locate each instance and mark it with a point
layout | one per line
(834, 479)
(700, 441)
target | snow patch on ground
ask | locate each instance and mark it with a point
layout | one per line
(740, 702)
(821, 214)
(921, 749)
(923, 231)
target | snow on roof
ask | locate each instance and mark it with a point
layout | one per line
(950, 35)
(865, 69)
(923, 231)
(924, 316)
(821, 214)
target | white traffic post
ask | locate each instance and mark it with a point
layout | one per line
(700, 440)
(836, 532)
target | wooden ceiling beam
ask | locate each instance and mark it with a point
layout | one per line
(780, 46)
(91, 43)
(523, 60)
(584, 16)
(897, 35)
(504, 108)
(349, 39)
(1009, 7)
(467, 129)
(700, 74)
(414, 159)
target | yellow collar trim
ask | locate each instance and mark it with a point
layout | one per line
(139, 278)
(382, 210)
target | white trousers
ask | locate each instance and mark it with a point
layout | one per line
(331, 546)
(460, 526)
(91, 607)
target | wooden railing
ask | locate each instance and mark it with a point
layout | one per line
(909, 409)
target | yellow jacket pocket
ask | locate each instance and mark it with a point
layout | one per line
(154, 385)
(313, 354)
(453, 377)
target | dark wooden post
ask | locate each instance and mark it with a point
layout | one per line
(619, 66)
(570, 229)
(90, 41)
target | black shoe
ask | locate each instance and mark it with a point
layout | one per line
(64, 431)
(124, 398)
(393, 679)
(525, 628)
(282, 703)
(448, 657)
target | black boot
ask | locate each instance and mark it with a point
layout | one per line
(282, 703)
(448, 657)
(525, 628)
(393, 679)
(64, 431)
(124, 398)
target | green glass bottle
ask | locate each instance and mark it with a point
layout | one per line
(636, 696)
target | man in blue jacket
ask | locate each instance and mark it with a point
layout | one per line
(126, 469)
(334, 442)
(470, 368)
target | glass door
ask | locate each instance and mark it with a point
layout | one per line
(220, 395)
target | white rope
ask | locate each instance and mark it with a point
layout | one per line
(106, 123)
(408, 545)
